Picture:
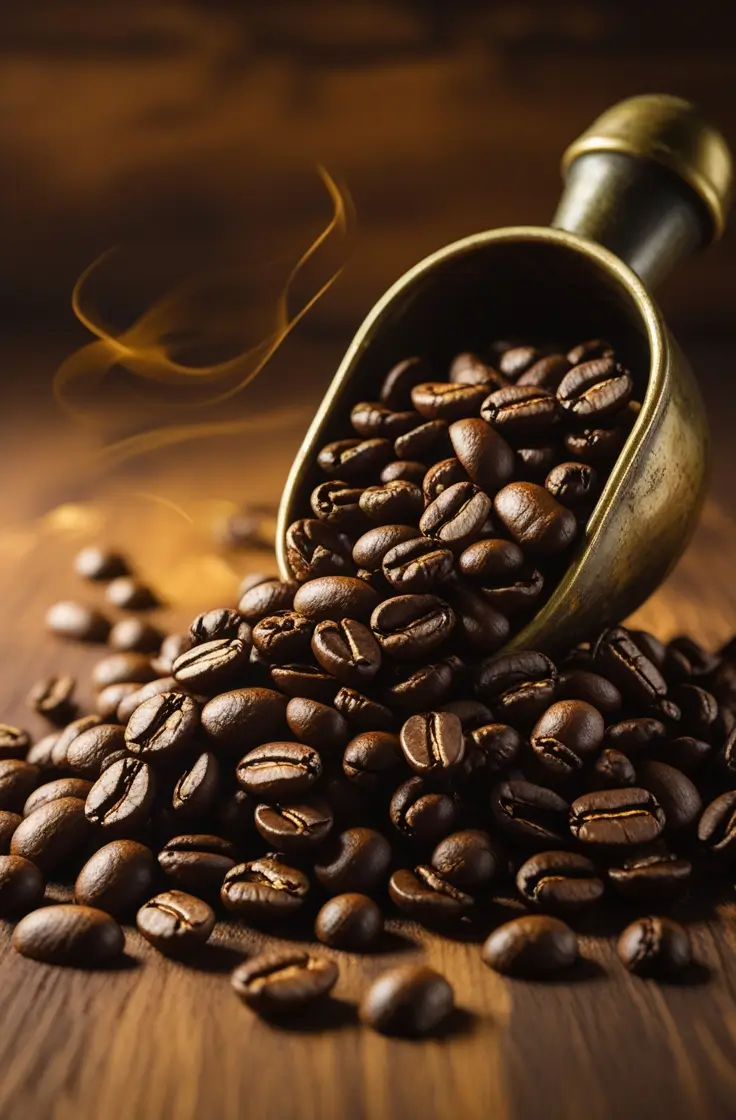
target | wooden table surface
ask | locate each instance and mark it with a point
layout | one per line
(158, 1040)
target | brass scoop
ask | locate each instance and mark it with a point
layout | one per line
(646, 184)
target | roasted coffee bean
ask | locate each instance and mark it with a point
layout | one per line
(478, 623)
(617, 817)
(283, 637)
(559, 882)
(617, 656)
(516, 360)
(534, 946)
(699, 710)
(447, 400)
(314, 548)
(14, 742)
(264, 890)
(347, 650)
(278, 984)
(197, 788)
(352, 922)
(175, 923)
(468, 369)
(52, 698)
(370, 549)
(295, 828)
(87, 752)
(316, 724)
(498, 675)
(52, 833)
(598, 446)
(8, 824)
(40, 753)
(253, 579)
(441, 476)
(521, 412)
(75, 620)
(211, 666)
(678, 797)
(652, 874)
(573, 484)
(21, 886)
(635, 736)
(530, 814)
(433, 742)
(409, 1000)
(683, 752)
(404, 470)
(122, 796)
(337, 504)
(133, 634)
(522, 706)
(279, 771)
(482, 452)
(491, 562)
(421, 814)
(130, 594)
(586, 351)
(580, 684)
(546, 372)
(717, 826)
(493, 747)
(427, 897)
(17, 780)
(399, 382)
(355, 460)
(52, 791)
(75, 936)
(397, 502)
(244, 717)
(162, 726)
(612, 770)
(408, 627)
(172, 647)
(409, 689)
(66, 737)
(655, 947)
(568, 733)
(121, 668)
(417, 565)
(97, 563)
(361, 712)
(534, 519)
(196, 862)
(467, 860)
(374, 420)
(355, 860)
(118, 878)
(266, 598)
(655, 650)
(133, 700)
(370, 758)
(456, 516)
(471, 713)
(220, 623)
(518, 594)
(535, 463)
(335, 598)
(595, 390)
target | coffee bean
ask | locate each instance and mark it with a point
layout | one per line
(266, 598)
(294, 828)
(717, 826)
(477, 621)
(144, 692)
(197, 788)
(347, 650)
(399, 382)
(417, 565)
(409, 1000)
(617, 817)
(128, 593)
(14, 742)
(404, 470)
(97, 563)
(314, 548)
(617, 656)
(586, 351)
(441, 476)
(51, 791)
(337, 504)
(612, 770)
(535, 946)
(40, 754)
(408, 627)
(264, 890)
(355, 860)
(493, 747)
(17, 780)
(456, 516)
(361, 712)
(8, 824)
(277, 984)
(370, 549)
(220, 623)
(678, 797)
(598, 446)
(213, 665)
(197, 863)
(316, 724)
(699, 710)
(397, 502)
(52, 833)
(559, 882)
(355, 460)
(278, 771)
(421, 814)
(283, 637)
(574, 485)
(534, 519)
(87, 752)
(409, 689)
(117, 878)
(373, 420)
(21, 886)
(66, 737)
(482, 452)
(469, 369)
(133, 634)
(514, 359)
(427, 897)
(521, 412)
(447, 400)
(172, 647)
(244, 717)
(433, 742)
(335, 598)
(567, 733)
(77, 621)
(122, 796)
(467, 860)
(497, 676)
(175, 923)
(52, 698)
(120, 668)
(352, 922)
(75, 936)
(162, 726)
(634, 736)
(530, 814)
(652, 874)
(546, 372)
(535, 463)
(491, 562)
(580, 684)
(655, 947)
(595, 390)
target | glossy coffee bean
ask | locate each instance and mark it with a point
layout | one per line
(21, 886)
(52, 791)
(317, 725)
(533, 946)
(355, 460)
(197, 862)
(266, 598)
(219, 623)
(409, 689)
(335, 598)
(417, 566)
(574, 485)
(515, 360)
(197, 787)
(281, 984)
(14, 742)
(370, 758)
(264, 890)
(612, 770)
(120, 668)
(581, 684)
(77, 621)
(521, 413)
(404, 470)
(491, 562)
(117, 878)
(175, 923)
(284, 637)
(717, 826)
(433, 743)
(618, 657)
(498, 675)
(586, 351)
(419, 813)
(361, 712)
(447, 400)
(596, 390)
(617, 818)
(546, 372)
(559, 882)
(652, 874)
(121, 798)
(337, 503)
(373, 420)
(471, 713)
(172, 647)
(568, 733)
(355, 860)
(370, 549)
(478, 622)
(456, 515)
(656, 947)
(699, 710)
(426, 896)
(143, 692)
(88, 751)
(162, 726)
(128, 593)
(244, 717)
(410, 1000)
(347, 651)
(52, 833)
(100, 564)
(40, 754)
(17, 780)
(53, 699)
(279, 771)
(294, 828)
(409, 627)
(467, 860)
(678, 796)
(468, 369)
(136, 635)
(8, 824)
(314, 548)
(635, 736)
(530, 814)
(483, 453)
(352, 922)
(535, 519)
(393, 503)
(442, 475)
(75, 936)
(493, 748)
(212, 666)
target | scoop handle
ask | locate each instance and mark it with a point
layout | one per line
(650, 180)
